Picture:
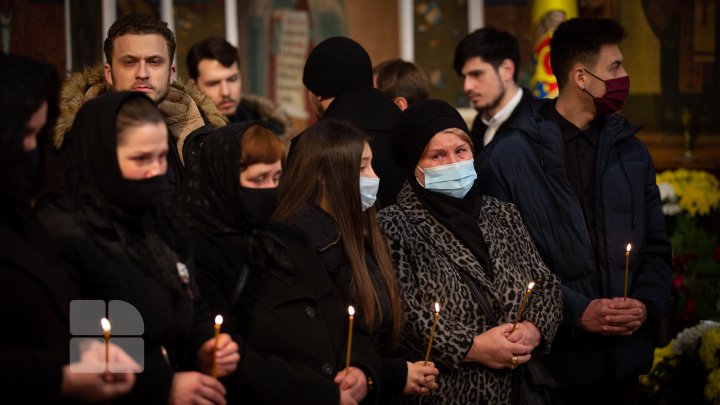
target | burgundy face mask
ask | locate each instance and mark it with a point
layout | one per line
(616, 92)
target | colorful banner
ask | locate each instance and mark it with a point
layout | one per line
(546, 15)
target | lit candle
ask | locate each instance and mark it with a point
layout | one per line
(522, 305)
(627, 262)
(351, 312)
(106, 334)
(218, 323)
(432, 332)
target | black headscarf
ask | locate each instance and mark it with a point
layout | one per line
(412, 132)
(92, 150)
(25, 85)
(125, 212)
(212, 199)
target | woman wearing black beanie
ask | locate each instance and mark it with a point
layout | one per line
(451, 245)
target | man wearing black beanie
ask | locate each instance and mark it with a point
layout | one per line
(339, 79)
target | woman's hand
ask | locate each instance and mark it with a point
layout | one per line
(526, 333)
(95, 387)
(88, 379)
(420, 378)
(191, 387)
(227, 355)
(352, 386)
(494, 350)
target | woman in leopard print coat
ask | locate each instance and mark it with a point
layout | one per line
(436, 260)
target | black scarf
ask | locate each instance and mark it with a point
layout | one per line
(26, 84)
(212, 199)
(459, 216)
(122, 214)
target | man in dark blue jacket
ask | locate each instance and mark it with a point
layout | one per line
(488, 61)
(585, 187)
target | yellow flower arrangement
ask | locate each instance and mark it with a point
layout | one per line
(698, 191)
(712, 389)
(687, 370)
(709, 349)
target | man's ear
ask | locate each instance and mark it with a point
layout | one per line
(578, 76)
(173, 71)
(108, 74)
(193, 84)
(401, 102)
(506, 70)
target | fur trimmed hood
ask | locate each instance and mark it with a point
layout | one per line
(177, 108)
(267, 110)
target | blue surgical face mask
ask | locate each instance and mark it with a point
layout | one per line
(454, 180)
(368, 191)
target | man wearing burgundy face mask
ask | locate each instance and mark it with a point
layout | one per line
(585, 188)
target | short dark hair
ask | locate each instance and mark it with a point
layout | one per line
(398, 78)
(213, 48)
(141, 24)
(490, 44)
(580, 40)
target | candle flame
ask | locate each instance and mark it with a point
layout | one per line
(105, 324)
(531, 285)
(629, 247)
(437, 307)
(219, 320)
(351, 310)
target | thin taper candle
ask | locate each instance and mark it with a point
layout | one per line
(627, 262)
(218, 323)
(522, 305)
(351, 312)
(106, 334)
(432, 332)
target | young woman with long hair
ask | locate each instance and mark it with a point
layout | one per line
(328, 192)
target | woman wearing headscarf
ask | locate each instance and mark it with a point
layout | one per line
(328, 193)
(229, 193)
(452, 245)
(107, 226)
(34, 294)
(288, 317)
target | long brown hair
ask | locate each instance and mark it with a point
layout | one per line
(325, 166)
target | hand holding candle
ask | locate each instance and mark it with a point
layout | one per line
(218, 323)
(432, 332)
(522, 306)
(351, 312)
(627, 262)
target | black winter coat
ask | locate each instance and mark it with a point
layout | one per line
(34, 301)
(171, 320)
(290, 320)
(526, 166)
(321, 230)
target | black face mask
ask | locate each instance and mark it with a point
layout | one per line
(139, 196)
(259, 204)
(32, 164)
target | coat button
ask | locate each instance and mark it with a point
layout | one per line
(327, 369)
(310, 312)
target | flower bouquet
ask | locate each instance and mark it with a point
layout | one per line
(691, 199)
(687, 370)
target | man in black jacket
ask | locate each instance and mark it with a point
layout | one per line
(585, 187)
(339, 77)
(488, 61)
(214, 68)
